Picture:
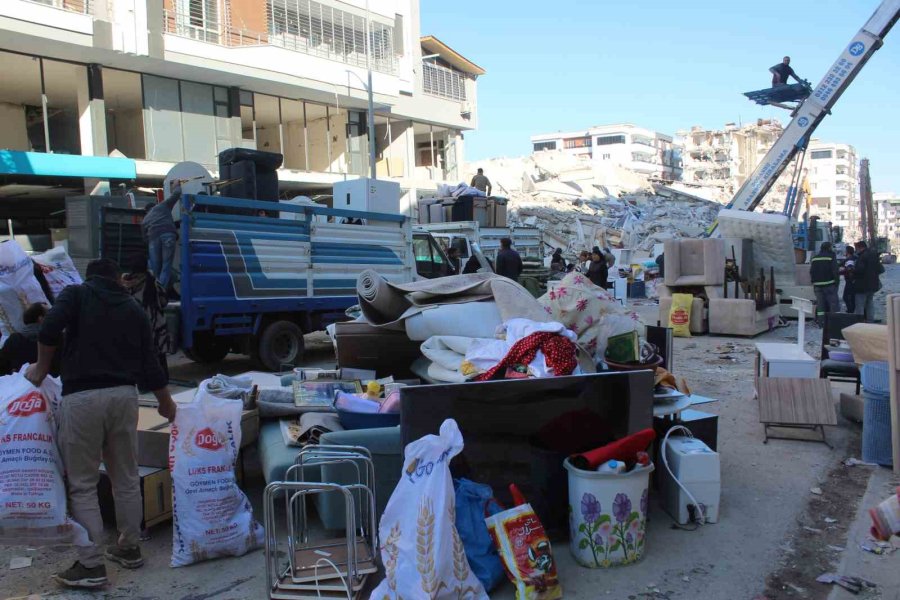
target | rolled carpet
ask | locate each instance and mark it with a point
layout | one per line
(380, 302)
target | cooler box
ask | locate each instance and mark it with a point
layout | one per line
(697, 468)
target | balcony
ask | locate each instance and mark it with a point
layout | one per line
(331, 35)
(82, 7)
(443, 82)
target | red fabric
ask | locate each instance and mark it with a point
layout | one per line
(624, 449)
(559, 352)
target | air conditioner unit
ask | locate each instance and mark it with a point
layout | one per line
(466, 109)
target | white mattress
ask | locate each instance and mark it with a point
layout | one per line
(772, 242)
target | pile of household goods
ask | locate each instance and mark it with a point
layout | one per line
(25, 280)
(482, 326)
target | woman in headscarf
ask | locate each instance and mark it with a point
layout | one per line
(598, 272)
(557, 262)
(151, 295)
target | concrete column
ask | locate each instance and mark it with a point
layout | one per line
(92, 122)
(405, 144)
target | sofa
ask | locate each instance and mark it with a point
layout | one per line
(387, 455)
(694, 262)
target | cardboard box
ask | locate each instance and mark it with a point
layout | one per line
(156, 493)
(153, 436)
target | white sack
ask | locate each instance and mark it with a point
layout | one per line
(211, 515)
(18, 287)
(421, 550)
(32, 492)
(58, 269)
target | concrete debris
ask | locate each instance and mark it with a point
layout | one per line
(579, 205)
(19, 562)
(816, 490)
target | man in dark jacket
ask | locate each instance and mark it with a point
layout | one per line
(849, 295)
(158, 228)
(108, 351)
(509, 263)
(866, 280)
(823, 270)
(21, 347)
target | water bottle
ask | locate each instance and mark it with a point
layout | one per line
(612, 466)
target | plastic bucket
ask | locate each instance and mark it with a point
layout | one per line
(607, 516)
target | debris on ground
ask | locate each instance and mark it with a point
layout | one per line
(19, 562)
(853, 585)
(853, 462)
(816, 490)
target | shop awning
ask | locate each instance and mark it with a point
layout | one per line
(14, 162)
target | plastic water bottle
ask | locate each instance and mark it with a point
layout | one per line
(612, 466)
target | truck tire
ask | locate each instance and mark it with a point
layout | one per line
(281, 343)
(207, 349)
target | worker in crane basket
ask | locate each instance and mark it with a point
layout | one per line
(782, 71)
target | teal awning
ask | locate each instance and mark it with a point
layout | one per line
(14, 162)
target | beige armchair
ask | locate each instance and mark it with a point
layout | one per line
(692, 262)
(737, 316)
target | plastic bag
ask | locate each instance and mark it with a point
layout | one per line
(32, 492)
(525, 549)
(211, 515)
(475, 502)
(421, 549)
(680, 315)
(18, 287)
(58, 269)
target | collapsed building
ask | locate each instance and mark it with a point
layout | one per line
(579, 204)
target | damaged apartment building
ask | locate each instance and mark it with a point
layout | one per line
(98, 94)
(717, 161)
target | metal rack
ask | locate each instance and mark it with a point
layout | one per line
(325, 568)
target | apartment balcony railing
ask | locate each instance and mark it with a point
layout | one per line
(208, 26)
(443, 82)
(77, 6)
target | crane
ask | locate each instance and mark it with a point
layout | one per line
(810, 113)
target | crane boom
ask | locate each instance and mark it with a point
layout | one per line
(809, 114)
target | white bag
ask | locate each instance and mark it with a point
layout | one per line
(32, 492)
(211, 515)
(18, 287)
(58, 269)
(422, 553)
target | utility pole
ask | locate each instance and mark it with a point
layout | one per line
(371, 113)
(866, 209)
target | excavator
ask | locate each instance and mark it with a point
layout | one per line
(809, 113)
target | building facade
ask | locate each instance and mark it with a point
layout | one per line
(96, 93)
(887, 214)
(635, 148)
(723, 159)
(832, 171)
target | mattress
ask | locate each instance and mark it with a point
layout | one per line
(772, 245)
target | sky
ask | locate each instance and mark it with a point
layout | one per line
(567, 65)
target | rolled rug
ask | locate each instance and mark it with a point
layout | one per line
(380, 302)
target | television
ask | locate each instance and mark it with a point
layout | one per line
(519, 431)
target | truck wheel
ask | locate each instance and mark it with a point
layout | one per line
(281, 344)
(207, 349)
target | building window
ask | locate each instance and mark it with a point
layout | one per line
(321, 30)
(609, 140)
(438, 80)
(538, 146)
(819, 154)
(606, 156)
(582, 142)
(198, 20)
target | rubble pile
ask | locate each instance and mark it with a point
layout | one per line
(578, 204)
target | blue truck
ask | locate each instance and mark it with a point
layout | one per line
(254, 285)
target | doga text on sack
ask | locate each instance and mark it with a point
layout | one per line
(209, 439)
(27, 405)
(419, 468)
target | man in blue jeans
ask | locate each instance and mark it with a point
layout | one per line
(158, 228)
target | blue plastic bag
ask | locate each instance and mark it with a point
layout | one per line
(474, 502)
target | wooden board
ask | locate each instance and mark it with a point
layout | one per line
(793, 401)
